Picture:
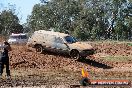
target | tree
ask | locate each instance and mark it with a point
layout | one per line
(8, 21)
(121, 14)
(86, 19)
(17, 28)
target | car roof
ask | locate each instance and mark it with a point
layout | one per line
(52, 33)
(13, 34)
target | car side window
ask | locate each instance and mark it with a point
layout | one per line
(14, 37)
(23, 37)
(58, 40)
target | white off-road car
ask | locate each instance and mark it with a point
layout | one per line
(59, 42)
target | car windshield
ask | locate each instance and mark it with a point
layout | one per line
(70, 39)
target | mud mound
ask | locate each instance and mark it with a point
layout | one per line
(114, 49)
(2, 38)
(20, 57)
(23, 58)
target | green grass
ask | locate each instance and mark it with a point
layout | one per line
(118, 58)
(129, 44)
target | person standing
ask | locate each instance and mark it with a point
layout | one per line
(4, 59)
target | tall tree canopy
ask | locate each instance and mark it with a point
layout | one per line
(9, 22)
(86, 19)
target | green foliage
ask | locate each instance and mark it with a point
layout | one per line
(9, 22)
(85, 19)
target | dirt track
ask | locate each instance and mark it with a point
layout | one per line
(28, 65)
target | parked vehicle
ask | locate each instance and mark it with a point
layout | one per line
(20, 38)
(59, 42)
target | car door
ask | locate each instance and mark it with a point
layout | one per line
(60, 45)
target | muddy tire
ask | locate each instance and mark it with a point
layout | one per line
(39, 48)
(75, 54)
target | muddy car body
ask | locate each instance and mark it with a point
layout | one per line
(59, 42)
(19, 38)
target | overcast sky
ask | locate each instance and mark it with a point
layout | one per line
(23, 7)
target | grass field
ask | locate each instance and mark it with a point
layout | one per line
(118, 58)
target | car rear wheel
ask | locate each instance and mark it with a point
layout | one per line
(75, 54)
(39, 48)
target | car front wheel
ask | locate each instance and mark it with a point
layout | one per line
(75, 54)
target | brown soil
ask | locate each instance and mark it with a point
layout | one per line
(114, 49)
(45, 69)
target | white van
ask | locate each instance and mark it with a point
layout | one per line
(20, 38)
(59, 42)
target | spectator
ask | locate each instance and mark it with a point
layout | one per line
(4, 58)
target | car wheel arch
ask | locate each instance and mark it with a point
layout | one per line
(40, 47)
(77, 55)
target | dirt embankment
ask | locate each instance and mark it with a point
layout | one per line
(68, 70)
(2, 38)
(22, 57)
(113, 49)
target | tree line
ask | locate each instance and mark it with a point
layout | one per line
(9, 22)
(85, 19)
